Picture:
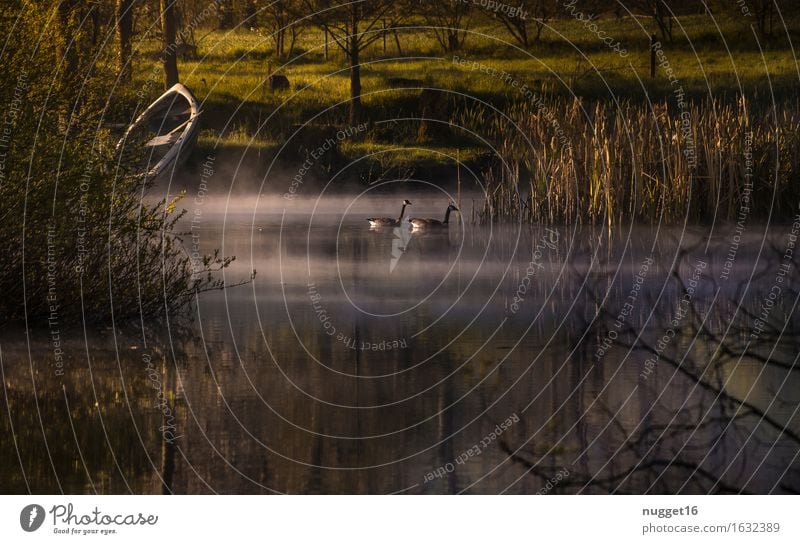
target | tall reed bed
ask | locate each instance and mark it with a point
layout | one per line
(561, 160)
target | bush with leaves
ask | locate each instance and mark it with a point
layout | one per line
(79, 238)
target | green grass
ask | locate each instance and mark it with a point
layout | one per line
(402, 155)
(567, 60)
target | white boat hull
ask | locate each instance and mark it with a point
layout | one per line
(171, 124)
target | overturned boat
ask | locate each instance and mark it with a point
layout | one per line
(163, 135)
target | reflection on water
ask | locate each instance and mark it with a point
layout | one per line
(475, 359)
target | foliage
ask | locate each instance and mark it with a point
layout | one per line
(575, 161)
(79, 238)
(535, 16)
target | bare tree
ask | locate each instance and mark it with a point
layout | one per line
(663, 12)
(701, 443)
(662, 16)
(124, 21)
(168, 30)
(449, 22)
(531, 18)
(761, 15)
(282, 21)
(765, 12)
(353, 26)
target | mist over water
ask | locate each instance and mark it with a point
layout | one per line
(364, 360)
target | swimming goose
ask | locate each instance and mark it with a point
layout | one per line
(388, 221)
(433, 223)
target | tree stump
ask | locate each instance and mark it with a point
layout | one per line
(434, 111)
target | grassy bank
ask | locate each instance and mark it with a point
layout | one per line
(602, 163)
(624, 155)
(230, 69)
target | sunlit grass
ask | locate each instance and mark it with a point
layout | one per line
(408, 155)
(228, 77)
(641, 164)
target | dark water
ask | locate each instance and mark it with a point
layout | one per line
(481, 359)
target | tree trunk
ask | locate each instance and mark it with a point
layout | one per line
(397, 42)
(170, 57)
(452, 41)
(293, 42)
(96, 23)
(224, 14)
(664, 21)
(67, 48)
(355, 68)
(355, 86)
(764, 13)
(124, 16)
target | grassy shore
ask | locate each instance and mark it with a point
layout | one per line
(705, 60)
(702, 73)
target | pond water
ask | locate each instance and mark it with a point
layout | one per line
(477, 359)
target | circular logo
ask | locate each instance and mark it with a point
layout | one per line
(31, 517)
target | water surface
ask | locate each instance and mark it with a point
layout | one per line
(477, 359)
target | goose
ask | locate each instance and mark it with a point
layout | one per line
(433, 223)
(388, 221)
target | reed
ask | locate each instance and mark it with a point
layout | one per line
(570, 161)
